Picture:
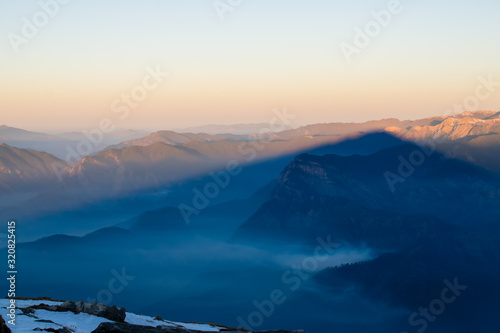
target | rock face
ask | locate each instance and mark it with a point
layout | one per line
(467, 124)
(470, 136)
(100, 310)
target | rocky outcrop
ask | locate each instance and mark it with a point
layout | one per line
(96, 309)
(129, 328)
(118, 320)
(3, 326)
(109, 312)
(466, 125)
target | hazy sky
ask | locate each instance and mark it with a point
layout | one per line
(265, 54)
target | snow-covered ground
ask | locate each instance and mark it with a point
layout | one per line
(78, 323)
(148, 321)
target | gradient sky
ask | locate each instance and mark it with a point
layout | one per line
(266, 54)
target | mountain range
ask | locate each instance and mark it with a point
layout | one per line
(211, 225)
(26, 169)
(238, 129)
(59, 144)
(441, 224)
(168, 159)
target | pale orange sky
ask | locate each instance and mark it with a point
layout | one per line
(262, 56)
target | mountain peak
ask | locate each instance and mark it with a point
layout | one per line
(475, 114)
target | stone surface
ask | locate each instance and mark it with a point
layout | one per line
(100, 310)
(109, 312)
(3, 326)
(129, 328)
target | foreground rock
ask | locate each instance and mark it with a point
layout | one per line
(48, 315)
(96, 309)
(129, 328)
(109, 312)
(3, 326)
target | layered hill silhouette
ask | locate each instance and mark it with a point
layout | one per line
(423, 215)
(163, 164)
(59, 144)
(26, 169)
(165, 157)
(174, 138)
